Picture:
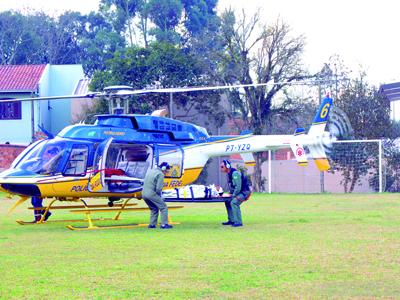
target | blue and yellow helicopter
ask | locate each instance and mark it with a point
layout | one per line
(110, 158)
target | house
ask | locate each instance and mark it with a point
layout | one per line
(20, 121)
(392, 92)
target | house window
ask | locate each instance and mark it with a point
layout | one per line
(10, 110)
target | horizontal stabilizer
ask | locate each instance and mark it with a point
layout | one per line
(248, 159)
(299, 131)
(246, 132)
(299, 152)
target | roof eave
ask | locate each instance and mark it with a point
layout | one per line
(18, 92)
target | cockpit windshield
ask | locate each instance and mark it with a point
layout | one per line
(46, 158)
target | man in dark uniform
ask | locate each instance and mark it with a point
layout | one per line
(240, 192)
(152, 187)
(37, 202)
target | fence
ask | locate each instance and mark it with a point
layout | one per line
(360, 166)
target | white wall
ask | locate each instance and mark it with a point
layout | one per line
(17, 131)
(63, 80)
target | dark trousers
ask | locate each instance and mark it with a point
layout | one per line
(37, 202)
(233, 207)
(155, 205)
(37, 213)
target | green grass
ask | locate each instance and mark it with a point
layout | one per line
(292, 246)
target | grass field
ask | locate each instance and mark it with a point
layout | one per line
(292, 246)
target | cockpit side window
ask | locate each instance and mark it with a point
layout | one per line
(46, 158)
(77, 161)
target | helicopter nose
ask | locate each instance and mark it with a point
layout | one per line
(21, 189)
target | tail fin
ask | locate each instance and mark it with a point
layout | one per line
(319, 122)
(317, 129)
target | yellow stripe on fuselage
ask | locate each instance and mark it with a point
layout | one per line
(78, 188)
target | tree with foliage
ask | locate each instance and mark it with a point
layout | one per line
(159, 65)
(179, 57)
(267, 55)
(200, 15)
(39, 39)
(19, 41)
(121, 14)
(166, 15)
(72, 38)
(98, 43)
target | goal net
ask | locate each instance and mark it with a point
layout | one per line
(356, 166)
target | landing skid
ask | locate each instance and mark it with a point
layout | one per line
(21, 222)
(75, 208)
(97, 227)
(92, 226)
(88, 211)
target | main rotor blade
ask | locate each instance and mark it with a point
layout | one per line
(126, 91)
(208, 88)
(188, 89)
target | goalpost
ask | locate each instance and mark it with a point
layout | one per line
(367, 158)
(356, 166)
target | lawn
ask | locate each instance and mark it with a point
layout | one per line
(292, 246)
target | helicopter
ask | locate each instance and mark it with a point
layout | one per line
(110, 158)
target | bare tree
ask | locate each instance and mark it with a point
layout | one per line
(259, 53)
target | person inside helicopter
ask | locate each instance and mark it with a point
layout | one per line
(44, 160)
(51, 159)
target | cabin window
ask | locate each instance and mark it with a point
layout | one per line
(126, 166)
(77, 161)
(133, 160)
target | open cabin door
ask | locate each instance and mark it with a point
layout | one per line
(97, 182)
(122, 167)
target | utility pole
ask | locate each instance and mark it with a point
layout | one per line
(321, 173)
(170, 105)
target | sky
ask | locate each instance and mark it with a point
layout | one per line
(364, 34)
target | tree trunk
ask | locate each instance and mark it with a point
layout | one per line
(354, 180)
(258, 182)
(346, 180)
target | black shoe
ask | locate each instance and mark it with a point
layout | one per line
(166, 226)
(228, 223)
(152, 226)
(237, 225)
(47, 216)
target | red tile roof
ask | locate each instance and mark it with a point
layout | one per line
(20, 77)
